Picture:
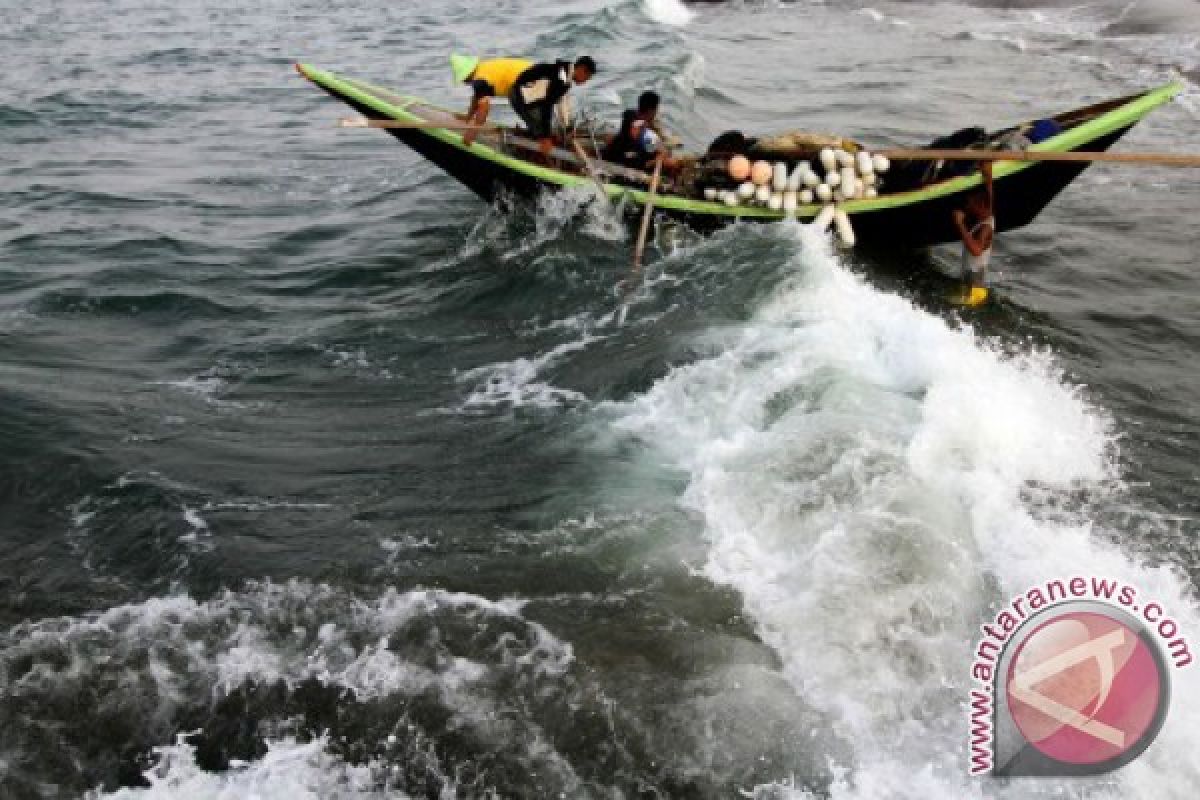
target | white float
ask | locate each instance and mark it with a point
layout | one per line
(824, 219)
(844, 229)
(779, 180)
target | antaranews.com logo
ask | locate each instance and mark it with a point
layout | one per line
(1073, 679)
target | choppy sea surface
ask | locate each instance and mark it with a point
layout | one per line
(321, 478)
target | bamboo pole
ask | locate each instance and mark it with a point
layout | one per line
(493, 131)
(626, 286)
(1075, 156)
(397, 124)
(647, 214)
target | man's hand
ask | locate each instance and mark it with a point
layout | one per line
(545, 146)
(469, 136)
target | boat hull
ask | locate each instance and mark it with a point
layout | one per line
(915, 219)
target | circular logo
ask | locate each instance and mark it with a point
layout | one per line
(1084, 688)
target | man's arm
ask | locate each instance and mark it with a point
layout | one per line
(974, 247)
(476, 115)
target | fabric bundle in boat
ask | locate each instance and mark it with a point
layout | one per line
(908, 175)
(797, 145)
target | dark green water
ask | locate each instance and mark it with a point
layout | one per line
(307, 454)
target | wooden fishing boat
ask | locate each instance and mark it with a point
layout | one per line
(505, 161)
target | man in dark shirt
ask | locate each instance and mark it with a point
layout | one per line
(540, 88)
(640, 138)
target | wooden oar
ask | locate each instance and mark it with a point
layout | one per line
(1150, 159)
(646, 214)
(640, 247)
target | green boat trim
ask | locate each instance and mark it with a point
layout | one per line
(396, 106)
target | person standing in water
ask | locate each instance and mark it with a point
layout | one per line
(976, 227)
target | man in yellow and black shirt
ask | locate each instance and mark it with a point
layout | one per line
(533, 89)
(487, 79)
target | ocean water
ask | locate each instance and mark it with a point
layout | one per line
(321, 478)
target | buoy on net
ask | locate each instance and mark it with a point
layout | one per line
(881, 164)
(760, 173)
(865, 164)
(739, 168)
(805, 197)
(824, 219)
(711, 193)
(762, 195)
(870, 193)
(746, 190)
(791, 202)
(823, 192)
(775, 201)
(844, 229)
(834, 179)
(796, 178)
(843, 158)
(828, 159)
(730, 198)
(779, 181)
(811, 179)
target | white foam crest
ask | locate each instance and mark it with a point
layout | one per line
(165, 654)
(290, 770)
(199, 535)
(875, 15)
(211, 388)
(256, 505)
(1138, 59)
(207, 387)
(14, 320)
(377, 670)
(668, 12)
(236, 637)
(518, 383)
(557, 210)
(861, 467)
(582, 205)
